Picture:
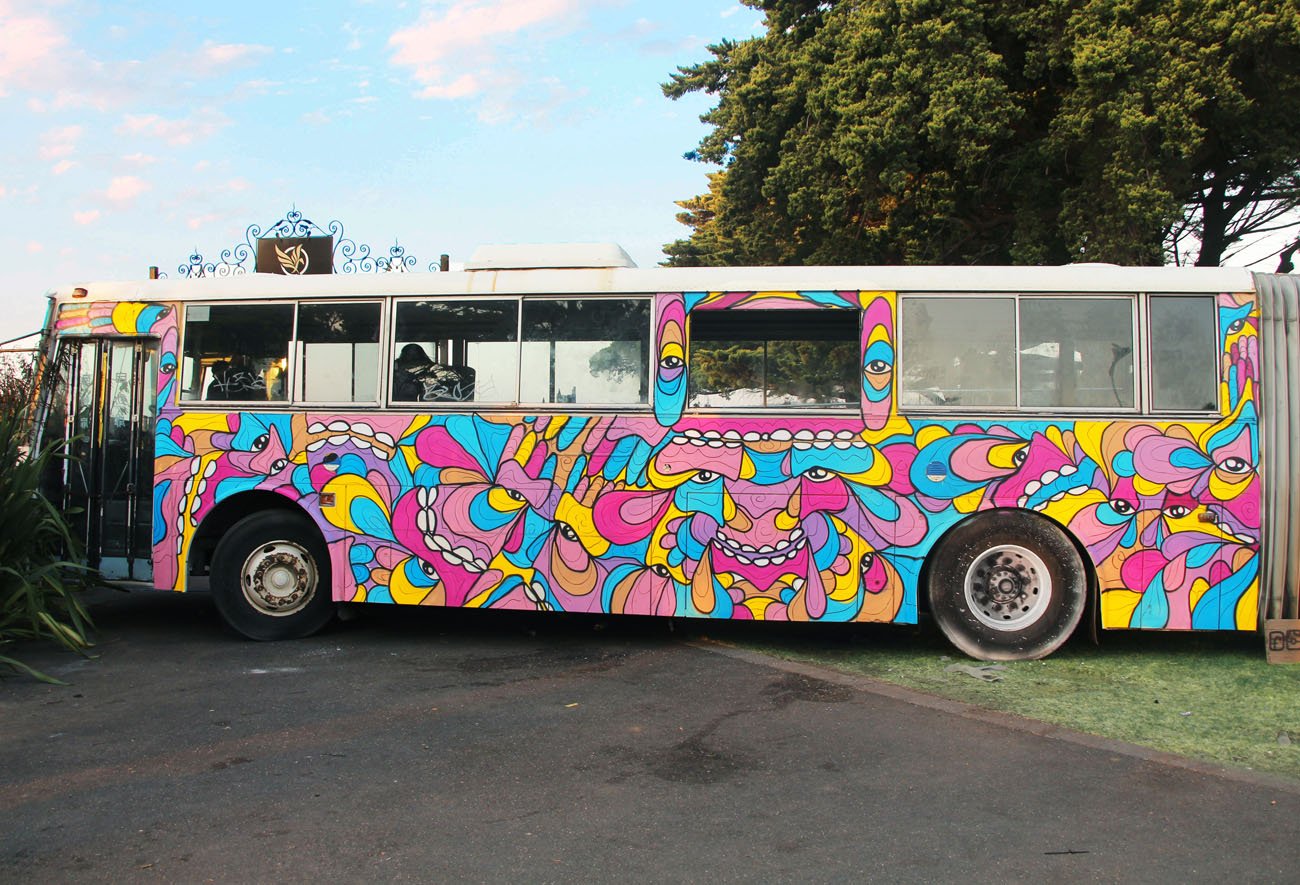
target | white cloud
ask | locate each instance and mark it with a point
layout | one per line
(140, 159)
(88, 217)
(124, 189)
(224, 54)
(176, 132)
(34, 246)
(62, 166)
(452, 50)
(60, 143)
(28, 43)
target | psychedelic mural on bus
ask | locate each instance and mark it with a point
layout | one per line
(778, 518)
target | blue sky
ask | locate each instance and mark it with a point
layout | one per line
(137, 132)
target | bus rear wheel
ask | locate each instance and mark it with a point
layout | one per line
(271, 577)
(1007, 586)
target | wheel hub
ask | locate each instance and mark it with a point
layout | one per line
(279, 578)
(1008, 587)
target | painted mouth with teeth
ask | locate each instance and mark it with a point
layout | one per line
(454, 553)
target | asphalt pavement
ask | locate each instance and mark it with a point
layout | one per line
(433, 746)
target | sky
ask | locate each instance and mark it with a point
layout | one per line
(136, 133)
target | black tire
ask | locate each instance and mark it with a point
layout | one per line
(1007, 585)
(271, 577)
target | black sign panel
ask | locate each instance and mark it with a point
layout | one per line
(295, 255)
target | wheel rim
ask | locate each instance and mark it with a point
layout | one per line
(279, 578)
(1008, 588)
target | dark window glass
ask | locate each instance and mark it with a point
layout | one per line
(958, 352)
(236, 352)
(1076, 352)
(338, 357)
(586, 351)
(1183, 353)
(456, 351)
(774, 358)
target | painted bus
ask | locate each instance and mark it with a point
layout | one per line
(1010, 449)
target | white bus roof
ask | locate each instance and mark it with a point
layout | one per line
(577, 269)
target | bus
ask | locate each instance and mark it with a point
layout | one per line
(1014, 450)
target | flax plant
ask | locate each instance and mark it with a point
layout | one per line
(40, 575)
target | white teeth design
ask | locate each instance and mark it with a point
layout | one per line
(1068, 469)
(363, 427)
(760, 556)
(315, 427)
(1032, 486)
(338, 425)
(385, 438)
(1049, 477)
(318, 444)
(781, 435)
(194, 467)
(211, 469)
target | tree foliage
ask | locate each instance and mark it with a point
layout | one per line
(996, 131)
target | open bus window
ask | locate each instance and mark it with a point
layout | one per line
(1183, 364)
(774, 358)
(1076, 352)
(586, 351)
(338, 357)
(236, 352)
(958, 352)
(456, 351)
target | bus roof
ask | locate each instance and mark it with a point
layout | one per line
(494, 276)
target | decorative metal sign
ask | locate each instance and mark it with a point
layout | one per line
(298, 245)
(295, 255)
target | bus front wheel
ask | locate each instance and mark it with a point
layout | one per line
(271, 577)
(1007, 586)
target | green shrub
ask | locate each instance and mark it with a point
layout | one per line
(39, 574)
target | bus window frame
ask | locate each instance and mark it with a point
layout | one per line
(650, 363)
(1220, 404)
(390, 340)
(1138, 326)
(298, 380)
(851, 409)
(241, 405)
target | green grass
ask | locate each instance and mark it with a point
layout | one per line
(1207, 696)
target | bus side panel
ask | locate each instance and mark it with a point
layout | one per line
(774, 517)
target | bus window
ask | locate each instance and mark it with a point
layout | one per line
(774, 358)
(1076, 353)
(586, 351)
(456, 351)
(338, 357)
(1183, 353)
(236, 352)
(958, 352)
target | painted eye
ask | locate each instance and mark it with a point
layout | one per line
(1177, 511)
(1236, 326)
(1122, 507)
(1235, 465)
(261, 442)
(512, 494)
(671, 362)
(818, 474)
(704, 476)
(660, 570)
(1019, 457)
(868, 560)
(167, 368)
(279, 464)
(428, 569)
(566, 531)
(877, 367)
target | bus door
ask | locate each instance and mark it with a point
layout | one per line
(112, 410)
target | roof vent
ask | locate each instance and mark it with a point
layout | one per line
(549, 256)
